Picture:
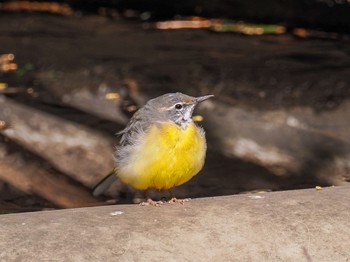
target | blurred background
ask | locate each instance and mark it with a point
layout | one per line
(73, 72)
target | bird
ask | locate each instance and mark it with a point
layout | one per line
(160, 148)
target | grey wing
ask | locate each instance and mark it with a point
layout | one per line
(131, 135)
(137, 126)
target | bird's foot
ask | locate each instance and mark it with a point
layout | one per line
(178, 201)
(151, 202)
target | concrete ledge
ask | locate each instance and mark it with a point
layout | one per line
(301, 225)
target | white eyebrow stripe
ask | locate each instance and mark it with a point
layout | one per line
(168, 108)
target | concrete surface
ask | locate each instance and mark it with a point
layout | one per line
(302, 225)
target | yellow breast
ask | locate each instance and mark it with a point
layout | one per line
(166, 156)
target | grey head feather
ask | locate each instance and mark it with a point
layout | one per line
(160, 109)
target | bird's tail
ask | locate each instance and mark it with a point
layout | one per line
(104, 183)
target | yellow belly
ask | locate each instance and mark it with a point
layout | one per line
(167, 156)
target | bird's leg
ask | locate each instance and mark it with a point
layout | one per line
(151, 202)
(173, 199)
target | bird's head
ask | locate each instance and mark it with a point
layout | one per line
(176, 107)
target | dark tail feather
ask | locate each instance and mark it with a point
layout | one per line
(104, 184)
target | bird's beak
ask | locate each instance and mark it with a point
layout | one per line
(201, 99)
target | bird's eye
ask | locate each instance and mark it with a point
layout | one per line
(178, 106)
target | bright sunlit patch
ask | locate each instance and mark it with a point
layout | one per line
(55, 8)
(6, 57)
(219, 25)
(256, 197)
(131, 108)
(197, 118)
(308, 33)
(6, 63)
(117, 213)
(3, 125)
(194, 22)
(222, 25)
(3, 86)
(112, 96)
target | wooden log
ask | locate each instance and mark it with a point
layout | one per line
(29, 175)
(296, 141)
(32, 179)
(80, 152)
(106, 100)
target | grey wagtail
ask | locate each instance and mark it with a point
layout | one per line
(160, 148)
